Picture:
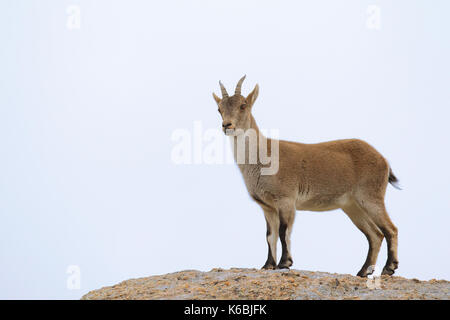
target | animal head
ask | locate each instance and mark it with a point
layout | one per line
(236, 110)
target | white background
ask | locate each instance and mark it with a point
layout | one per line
(86, 118)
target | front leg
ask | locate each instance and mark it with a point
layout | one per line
(273, 225)
(287, 216)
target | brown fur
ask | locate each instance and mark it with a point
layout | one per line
(347, 174)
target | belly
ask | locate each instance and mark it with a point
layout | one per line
(320, 202)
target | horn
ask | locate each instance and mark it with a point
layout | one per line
(224, 91)
(238, 86)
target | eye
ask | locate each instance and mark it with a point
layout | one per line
(243, 106)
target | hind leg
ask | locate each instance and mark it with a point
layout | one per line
(376, 210)
(373, 234)
(287, 215)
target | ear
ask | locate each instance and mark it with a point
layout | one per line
(251, 98)
(216, 98)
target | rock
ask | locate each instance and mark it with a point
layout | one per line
(270, 284)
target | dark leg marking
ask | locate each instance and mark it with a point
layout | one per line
(286, 260)
(270, 263)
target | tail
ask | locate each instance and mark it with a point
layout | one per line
(393, 180)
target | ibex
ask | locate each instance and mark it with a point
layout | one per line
(347, 174)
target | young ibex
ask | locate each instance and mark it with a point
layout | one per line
(347, 174)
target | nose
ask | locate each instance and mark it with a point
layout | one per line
(226, 125)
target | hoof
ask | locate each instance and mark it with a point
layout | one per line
(282, 267)
(269, 266)
(366, 271)
(362, 274)
(285, 264)
(389, 268)
(387, 271)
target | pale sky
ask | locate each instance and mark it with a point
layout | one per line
(88, 110)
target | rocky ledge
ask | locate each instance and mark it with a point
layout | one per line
(270, 284)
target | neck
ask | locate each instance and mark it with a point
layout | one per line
(253, 141)
(253, 125)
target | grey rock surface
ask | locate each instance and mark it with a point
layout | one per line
(283, 284)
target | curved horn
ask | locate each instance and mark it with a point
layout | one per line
(224, 91)
(238, 86)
